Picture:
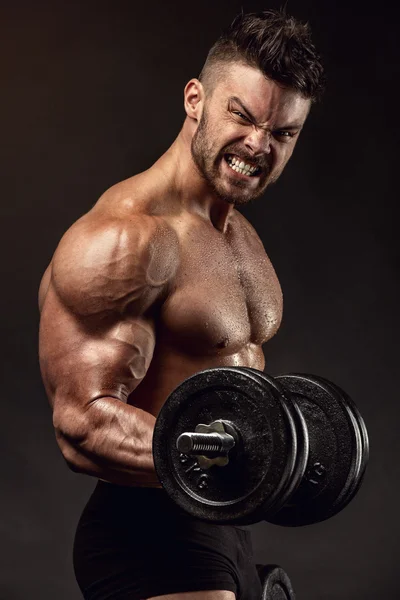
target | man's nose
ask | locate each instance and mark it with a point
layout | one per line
(259, 141)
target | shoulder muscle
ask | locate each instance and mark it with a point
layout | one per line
(109, 264)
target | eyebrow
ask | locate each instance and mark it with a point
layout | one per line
(243, 107)
(252, 117)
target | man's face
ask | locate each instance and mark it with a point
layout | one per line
(247, 133)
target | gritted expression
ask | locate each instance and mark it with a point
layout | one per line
(246, 133)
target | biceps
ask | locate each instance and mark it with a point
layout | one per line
(117, 362)
(82, 362)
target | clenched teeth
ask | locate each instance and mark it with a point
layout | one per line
(240, 166)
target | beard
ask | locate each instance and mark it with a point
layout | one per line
(208, 160)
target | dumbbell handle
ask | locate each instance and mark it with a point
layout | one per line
(211, 445)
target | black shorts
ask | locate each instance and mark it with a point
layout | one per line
(134, 543)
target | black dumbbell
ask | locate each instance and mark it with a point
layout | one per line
(235, 445)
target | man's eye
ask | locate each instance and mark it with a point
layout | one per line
(284, 134)
(241, 115)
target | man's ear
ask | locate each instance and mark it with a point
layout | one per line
(194, 99)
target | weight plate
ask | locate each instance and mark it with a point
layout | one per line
(301, 444)
(334, 451)
(363, 443)
(260, 465)
(275, 582)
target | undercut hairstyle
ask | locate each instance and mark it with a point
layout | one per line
(273, 42)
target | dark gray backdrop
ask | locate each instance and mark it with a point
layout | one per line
(91, 94)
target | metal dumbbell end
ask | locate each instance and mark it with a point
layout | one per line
(206, 444)
(209, 443)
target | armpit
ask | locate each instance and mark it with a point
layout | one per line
(106, 266)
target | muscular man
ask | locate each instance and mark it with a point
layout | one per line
(164, 277)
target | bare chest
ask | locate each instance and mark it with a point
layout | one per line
(225, 295)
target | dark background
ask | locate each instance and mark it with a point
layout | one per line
(91, 94)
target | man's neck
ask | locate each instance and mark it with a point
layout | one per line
(183, 179)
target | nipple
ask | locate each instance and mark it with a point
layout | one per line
(223, 343)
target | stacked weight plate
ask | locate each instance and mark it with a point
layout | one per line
(338, 451)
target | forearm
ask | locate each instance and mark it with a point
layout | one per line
(113, 441)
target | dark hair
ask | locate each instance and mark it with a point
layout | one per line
(274, 42)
